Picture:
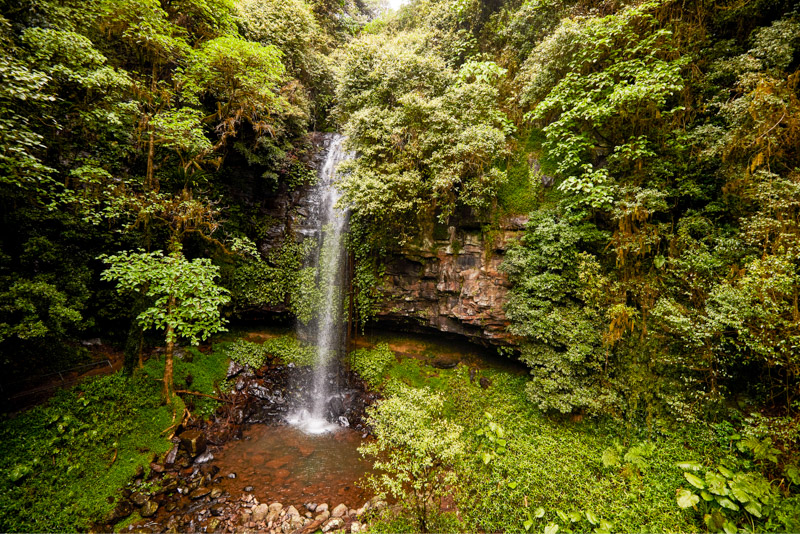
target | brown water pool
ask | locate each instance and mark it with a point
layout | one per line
(284, 464)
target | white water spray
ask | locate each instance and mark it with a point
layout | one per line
(327, 329)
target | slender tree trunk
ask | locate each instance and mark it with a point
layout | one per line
(169, 352)
(168, 368)
(151, 154)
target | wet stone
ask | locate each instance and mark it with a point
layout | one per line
(156, 467)
(199, 493)
(204, 458)
(217, 509)
(149, 509)
(323, 516)
(260, 512)
(193, 441)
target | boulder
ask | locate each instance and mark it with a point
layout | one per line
(138, 498)
(337, 407)
(149, 509)
(333, 524)
(322, 516)
(275, 507)
(292, 512)
(339, 511)
(193, 441)
(156, 467)
(321, 508)
(121, 511)
(260, 512)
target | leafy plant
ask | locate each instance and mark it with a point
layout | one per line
(371, 363)
(493, 442)
(727, 498)
(414, 451)
(185, 299)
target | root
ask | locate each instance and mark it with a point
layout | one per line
(202, 395)
(114, 459)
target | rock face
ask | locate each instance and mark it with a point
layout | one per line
(452, 284)
(447, 281)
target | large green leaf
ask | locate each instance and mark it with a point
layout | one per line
(551, 528)
(729, 504)
(690, 465)
(687, 499)
(694, 480)
(592, 518)
(754, 507)
(610, 457)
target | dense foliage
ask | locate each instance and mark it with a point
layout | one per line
(652, 146)
(63, 463)
(658, 275)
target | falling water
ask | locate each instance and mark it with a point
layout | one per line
(327, 328)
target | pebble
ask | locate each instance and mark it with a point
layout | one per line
(323, 516)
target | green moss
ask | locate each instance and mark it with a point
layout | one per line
(520, 192)
(75, 452)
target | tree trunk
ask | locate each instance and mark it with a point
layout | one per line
(169, 352)
(168, 367)
(151, 154)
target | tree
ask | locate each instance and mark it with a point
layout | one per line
(186, 299)
(414, 450)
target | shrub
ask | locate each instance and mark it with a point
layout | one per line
(414, 451)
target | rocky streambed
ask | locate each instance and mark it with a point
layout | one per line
(245, 469)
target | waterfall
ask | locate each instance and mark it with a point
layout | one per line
(329, 260)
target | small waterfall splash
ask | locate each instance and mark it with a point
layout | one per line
(326, 330)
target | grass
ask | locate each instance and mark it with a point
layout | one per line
(64, 462)
(550, 463)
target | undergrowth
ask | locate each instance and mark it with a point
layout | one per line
(63, 462)
(285, 349)
(525, 471)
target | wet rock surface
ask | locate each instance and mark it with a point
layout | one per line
(451, 281)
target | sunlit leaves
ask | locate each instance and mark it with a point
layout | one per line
(185, 298)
